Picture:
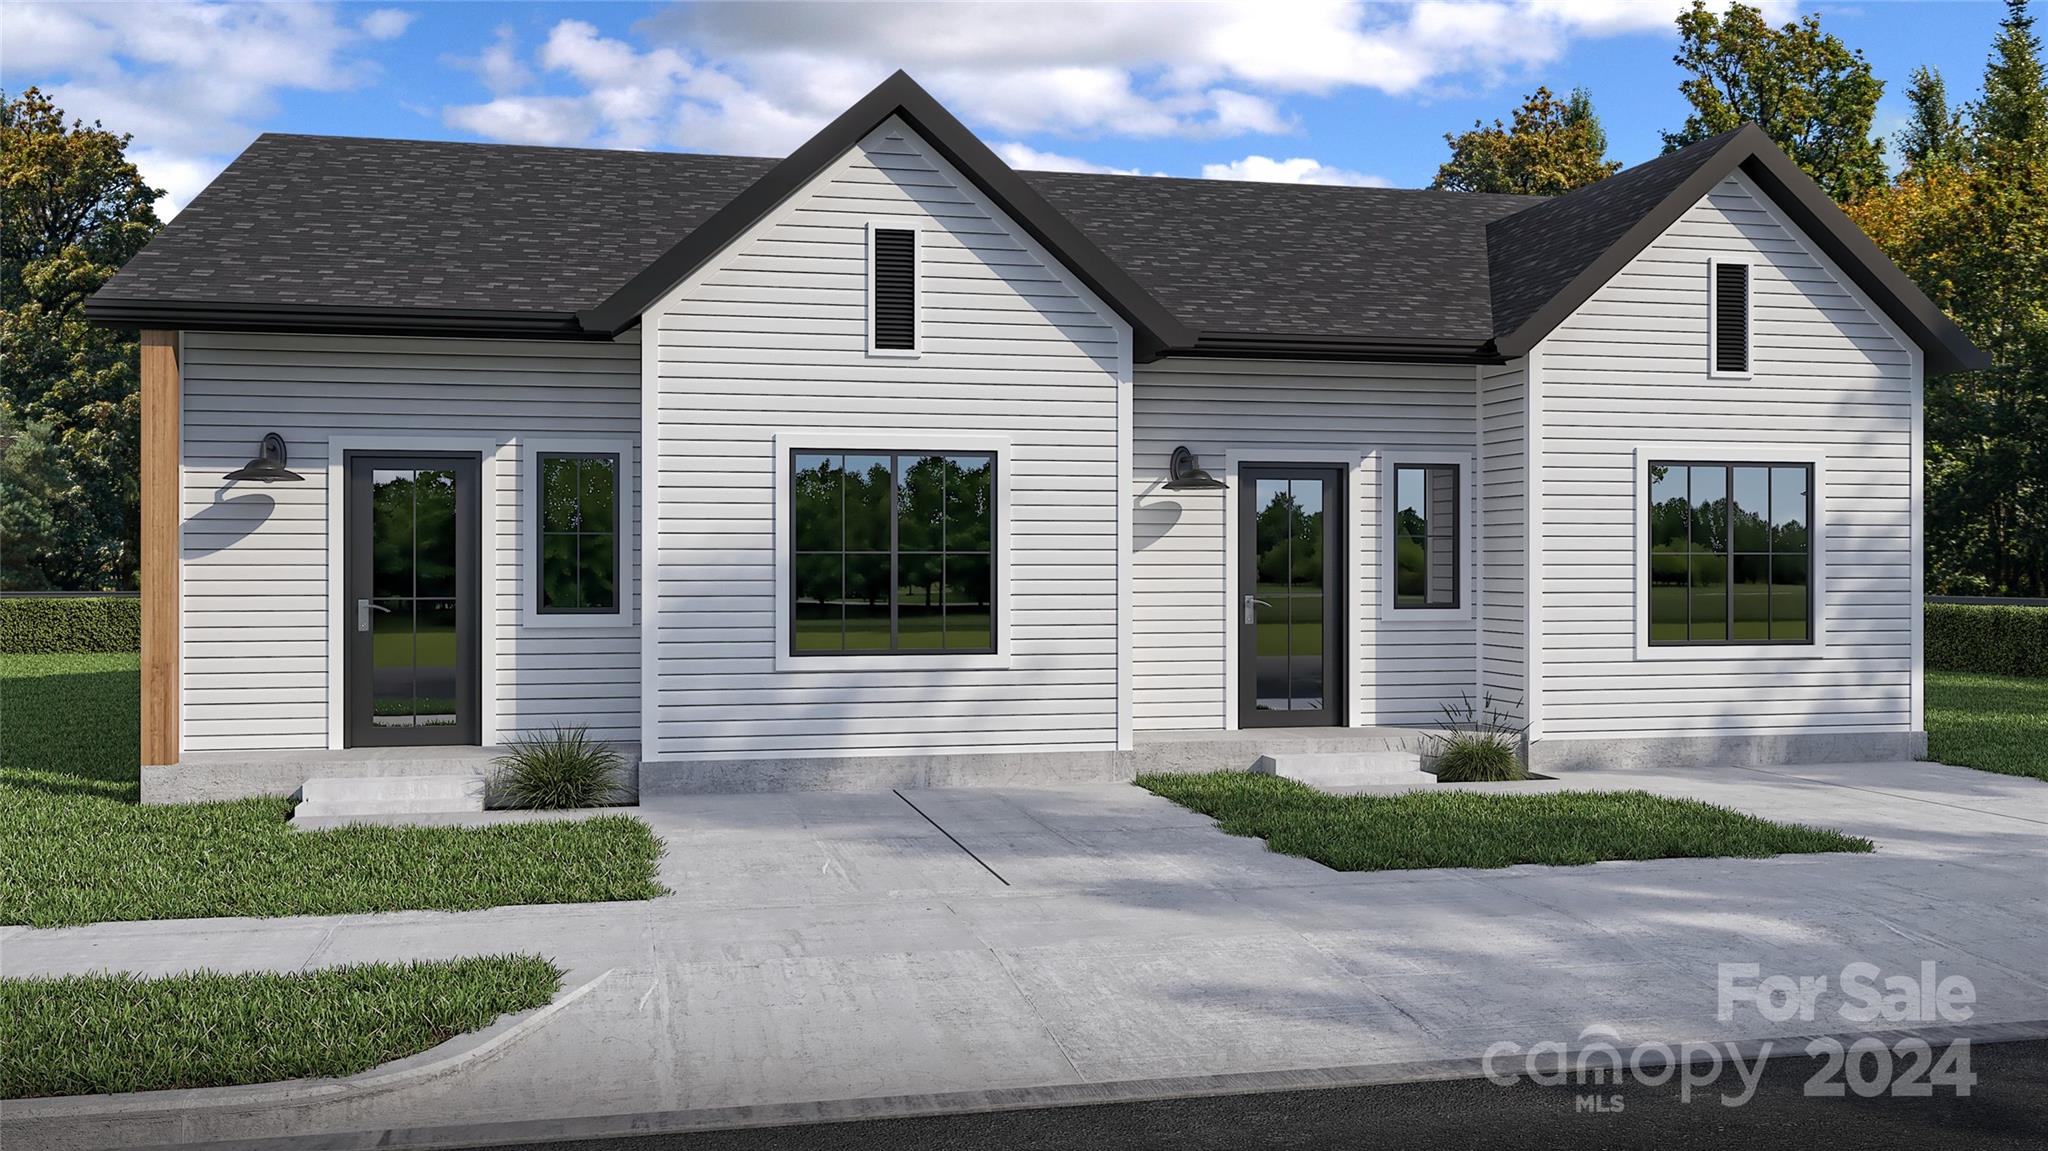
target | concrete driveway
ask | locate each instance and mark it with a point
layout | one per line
(832, 954)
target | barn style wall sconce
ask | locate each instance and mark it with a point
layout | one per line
(268, 466)
(1184, 473)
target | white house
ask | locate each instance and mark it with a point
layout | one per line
(885, 463)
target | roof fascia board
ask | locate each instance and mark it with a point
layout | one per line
(1260, 347)
(1947, 348)
(217, 316)
(1153, 326)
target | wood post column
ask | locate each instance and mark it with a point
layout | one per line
(160, 514)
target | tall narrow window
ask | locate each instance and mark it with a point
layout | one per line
(1731, 318)
(895, 289)
(893, 552)
(1730, 553)
(1425, 535)
(578, 532)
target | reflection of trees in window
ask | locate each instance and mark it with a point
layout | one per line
(893, 552)
(1729, 553)
(1425, 522)
(1287, 534)
(579, 532)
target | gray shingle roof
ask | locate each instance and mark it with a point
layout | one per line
(341, 222)
(347, 234)
(331, 221)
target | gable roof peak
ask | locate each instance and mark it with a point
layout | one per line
(1153, 326)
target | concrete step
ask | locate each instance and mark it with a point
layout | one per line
(333, 796)
(1345, 768)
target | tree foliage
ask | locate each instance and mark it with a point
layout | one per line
(1554, 146)
(1934, 134)
(1814, 95)
(1969, 223)
(74, 210)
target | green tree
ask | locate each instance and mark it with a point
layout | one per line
(1813, 94)
(74, 210)
(1554, 146)
(1934, 134)
(1973, 233)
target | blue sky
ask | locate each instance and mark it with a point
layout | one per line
(1332, 92)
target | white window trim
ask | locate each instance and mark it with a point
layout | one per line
(527, 536)
(1816, 535)
(829, 440)
(1714, 369)
(1383, 541)
(490, 554)
(917, 294)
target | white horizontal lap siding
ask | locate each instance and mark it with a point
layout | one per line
(770, 339)
(1503, 535)
(1236, 410)
(255, 575)
(1827, 376)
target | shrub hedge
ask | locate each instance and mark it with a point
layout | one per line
(1987, 639)
(32, 626)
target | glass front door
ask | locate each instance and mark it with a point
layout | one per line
(1290, 643)
(412, 560)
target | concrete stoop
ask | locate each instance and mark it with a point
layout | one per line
(1346, 769)
(337, 796)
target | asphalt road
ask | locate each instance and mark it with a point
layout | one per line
(2007, 1107)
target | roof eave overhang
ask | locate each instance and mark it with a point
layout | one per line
(218, 316)
(1259, 346)
(1751, 150)
(1153, 327)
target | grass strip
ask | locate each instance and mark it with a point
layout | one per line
(1989, 722)
(1479, 829)
(76, 847)
(96, 1034)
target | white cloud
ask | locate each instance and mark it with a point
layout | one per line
(188, 80)
(386, 24)
(1029, 159)
(1297, 170)
(759, 78)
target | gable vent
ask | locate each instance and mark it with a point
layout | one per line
(895, 289)
(1731, 317)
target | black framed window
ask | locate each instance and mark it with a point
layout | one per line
(1730, 553)
(892, 552)
(577, 553)
(1425, 523)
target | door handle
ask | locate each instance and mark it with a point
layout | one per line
(363, 609)
(1252, 604)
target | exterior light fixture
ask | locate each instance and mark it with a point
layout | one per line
(268, 466)
(1184, 473)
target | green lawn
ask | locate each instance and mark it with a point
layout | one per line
(1474, 829)
(75, 847)
(93, 1034)
(1991, 722)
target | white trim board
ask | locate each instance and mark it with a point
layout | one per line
(833, 440)
(915, 227)
(1816, 563)
(489, 633)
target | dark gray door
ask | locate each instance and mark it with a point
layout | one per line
(1291, 596)
(412, 559)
